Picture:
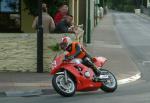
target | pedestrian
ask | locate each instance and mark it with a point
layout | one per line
(47, 21)
(101, 12)
(61, 13)
(105, 10)
(65, 26)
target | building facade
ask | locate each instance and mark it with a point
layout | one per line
(148, 3)
(17, 19)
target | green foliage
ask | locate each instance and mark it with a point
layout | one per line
(32, 6)
(54, 47)
(129, 8)
(124, 5)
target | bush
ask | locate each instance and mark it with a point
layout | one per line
(129, 8)
(120, 7)
(32, 6)
(126, 8)
(124, 5)
(54, 47)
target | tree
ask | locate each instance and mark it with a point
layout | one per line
(122, 5)
(32, 6)
(138, 3)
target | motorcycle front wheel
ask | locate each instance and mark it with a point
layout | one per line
(110, 85)
(65, 89)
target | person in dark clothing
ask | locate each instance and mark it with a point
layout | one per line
(64, 25)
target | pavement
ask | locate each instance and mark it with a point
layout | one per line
(105, 42)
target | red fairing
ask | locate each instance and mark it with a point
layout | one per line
(86, 84)
(56, 65)
(55, 70)
(83, 83)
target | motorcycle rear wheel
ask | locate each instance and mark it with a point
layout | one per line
(66, 90)
(109, 85)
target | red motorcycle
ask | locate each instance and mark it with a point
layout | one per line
(71, 76)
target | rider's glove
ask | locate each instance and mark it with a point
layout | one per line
(70, 57)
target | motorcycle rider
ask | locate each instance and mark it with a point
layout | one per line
(75, 50)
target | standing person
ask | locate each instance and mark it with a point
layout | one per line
(65, 25)
(47, 21)
(62, 12)
(105, 10)
(101, 12)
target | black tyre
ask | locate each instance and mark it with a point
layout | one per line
(62, 88)
(110, 85)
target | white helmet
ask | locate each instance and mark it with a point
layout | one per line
(65, 42)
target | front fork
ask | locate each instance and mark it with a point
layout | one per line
(65, 75)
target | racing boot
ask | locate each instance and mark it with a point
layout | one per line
(97, 72)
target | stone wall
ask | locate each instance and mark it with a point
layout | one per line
(18, 52)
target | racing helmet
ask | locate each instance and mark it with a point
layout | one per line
(65, 42)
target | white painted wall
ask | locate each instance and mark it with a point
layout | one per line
(148, 3)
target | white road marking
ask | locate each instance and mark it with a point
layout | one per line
(130, 79)
(145, 62)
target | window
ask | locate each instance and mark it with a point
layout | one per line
(10, 16)
(9, 6)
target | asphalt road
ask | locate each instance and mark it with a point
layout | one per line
(134, 33)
